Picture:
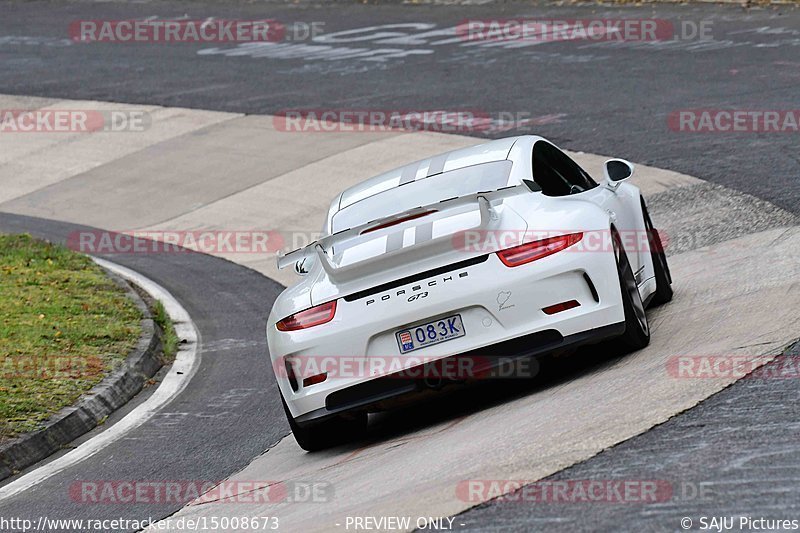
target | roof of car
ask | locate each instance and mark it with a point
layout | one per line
(483, 153)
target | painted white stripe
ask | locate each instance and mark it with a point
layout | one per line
(183, 369)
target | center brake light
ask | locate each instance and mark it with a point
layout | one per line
(398, 221)
(531, 251)
(313, 316)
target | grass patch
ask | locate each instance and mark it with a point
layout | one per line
(169, 339)
(63, 325)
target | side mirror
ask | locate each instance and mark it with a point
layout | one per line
(616, 171)
(303, 267)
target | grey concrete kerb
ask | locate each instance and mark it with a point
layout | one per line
(114, 391)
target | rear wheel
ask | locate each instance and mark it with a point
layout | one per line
(637, 329)
(663, 292)
(328, 433)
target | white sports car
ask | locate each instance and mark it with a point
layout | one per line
(447, 269)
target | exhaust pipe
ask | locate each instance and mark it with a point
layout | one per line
(434, 382)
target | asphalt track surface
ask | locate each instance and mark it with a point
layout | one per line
(733, 455)
(607, 99)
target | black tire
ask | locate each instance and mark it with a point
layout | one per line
(663, 292)
(330, 432)
(637, 329)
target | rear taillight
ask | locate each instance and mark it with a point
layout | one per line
(531, 251)
(313, 380)
(563, 306)
(308, 318)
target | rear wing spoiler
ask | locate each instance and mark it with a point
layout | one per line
(360, 234)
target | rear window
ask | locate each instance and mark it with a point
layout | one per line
(460, 182)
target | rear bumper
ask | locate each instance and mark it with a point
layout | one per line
(380, 393)
(497, 304)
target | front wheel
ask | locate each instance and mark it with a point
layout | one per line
(330, 432)
(637, 329)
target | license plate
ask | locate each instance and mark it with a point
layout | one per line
(430, 333)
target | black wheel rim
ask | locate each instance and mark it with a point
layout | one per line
(656, 247)
(629, 285)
